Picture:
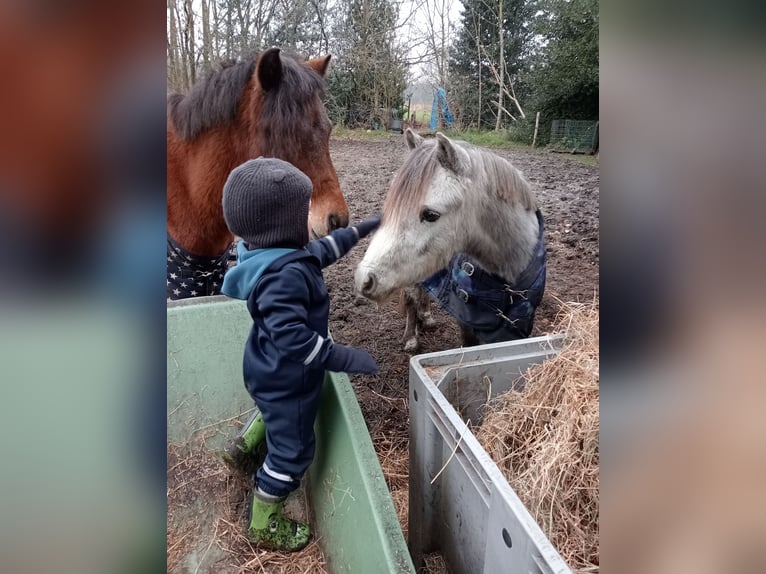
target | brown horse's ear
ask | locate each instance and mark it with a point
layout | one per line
(269, 69)
(447, 154)
(413, 139)
(320, 64)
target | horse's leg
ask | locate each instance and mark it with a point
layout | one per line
(409, 306)
(470, 338)
(425, 319)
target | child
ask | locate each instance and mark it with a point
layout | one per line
(279, 273)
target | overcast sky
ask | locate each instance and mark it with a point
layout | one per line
(416, 12)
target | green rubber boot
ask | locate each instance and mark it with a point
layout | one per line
(246, 452)
(275, 531)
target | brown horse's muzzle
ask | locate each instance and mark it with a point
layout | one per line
(325, 216)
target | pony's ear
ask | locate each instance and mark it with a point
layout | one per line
(447, 154)
(320, 65)
(269, 69)
(413, 139)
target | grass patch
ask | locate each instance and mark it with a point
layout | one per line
(585, 159)
(344, 132)
(488, 139)
(475, 137)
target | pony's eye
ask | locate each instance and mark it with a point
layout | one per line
(429, 215)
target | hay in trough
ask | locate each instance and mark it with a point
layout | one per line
(207, 521)
(545, 440)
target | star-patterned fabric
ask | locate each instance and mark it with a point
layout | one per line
(191, 275)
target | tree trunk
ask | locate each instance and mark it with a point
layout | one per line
(215, 31)
(191, 60)
(229, 32)
(206, 43)
(172, 46)
(444, 32)
(478, 61)
(501, 87)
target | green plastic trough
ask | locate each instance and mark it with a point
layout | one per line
(351, 508)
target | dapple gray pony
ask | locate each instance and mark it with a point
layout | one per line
(463, 224)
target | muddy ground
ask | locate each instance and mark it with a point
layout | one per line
(201, 490)
(568, 195)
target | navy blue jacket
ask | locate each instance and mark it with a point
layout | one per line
(287, 298)
(485, 303)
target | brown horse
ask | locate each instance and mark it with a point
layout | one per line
(265, 105)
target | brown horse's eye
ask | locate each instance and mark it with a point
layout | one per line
(429, 215)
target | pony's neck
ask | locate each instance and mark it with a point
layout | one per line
(503, 237)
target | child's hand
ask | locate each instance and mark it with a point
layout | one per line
(362, 362)
(349, 360)
(368, 225)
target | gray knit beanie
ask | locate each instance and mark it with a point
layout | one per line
(266, 203)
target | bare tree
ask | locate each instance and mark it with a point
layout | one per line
(207, 44)
(500, 75)
(477, 30)
(506, 89)
(321, 13)
(498, 66)
(172, 42)
(189, 44)
(437, 34)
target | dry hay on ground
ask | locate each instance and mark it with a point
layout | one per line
(545, 440)
(207, 521)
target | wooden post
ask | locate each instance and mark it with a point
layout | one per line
(537, 123)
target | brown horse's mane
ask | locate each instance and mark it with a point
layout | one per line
(214, 100)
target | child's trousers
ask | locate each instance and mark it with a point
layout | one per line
(289, 412)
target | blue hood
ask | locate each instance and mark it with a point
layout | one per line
(240, 280)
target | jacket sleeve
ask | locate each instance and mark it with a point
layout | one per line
(283, 301)
(332, 247)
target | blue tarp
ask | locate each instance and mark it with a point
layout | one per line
(440, 104)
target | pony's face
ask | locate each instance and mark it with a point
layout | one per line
(424, 220)
(299, 132)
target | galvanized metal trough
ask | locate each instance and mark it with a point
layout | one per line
(460, 504)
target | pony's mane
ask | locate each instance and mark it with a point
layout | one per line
(493, 172)
(488, 171)
(213, 100)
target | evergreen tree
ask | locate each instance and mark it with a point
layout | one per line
(475, 63)
(565, 76)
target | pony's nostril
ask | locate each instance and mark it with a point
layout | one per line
(335, 221)
(369, 284)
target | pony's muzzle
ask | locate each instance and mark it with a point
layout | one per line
(369, 284)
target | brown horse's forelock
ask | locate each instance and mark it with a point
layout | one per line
(215, 100)
(212, 101)
(410, 184)
(289, 112)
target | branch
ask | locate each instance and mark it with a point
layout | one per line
(502, 109)
(512, 94)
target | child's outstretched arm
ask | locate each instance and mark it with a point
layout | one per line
(334, 246)
(283, 301)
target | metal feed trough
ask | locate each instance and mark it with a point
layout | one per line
(460, 503)
(351, 509)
